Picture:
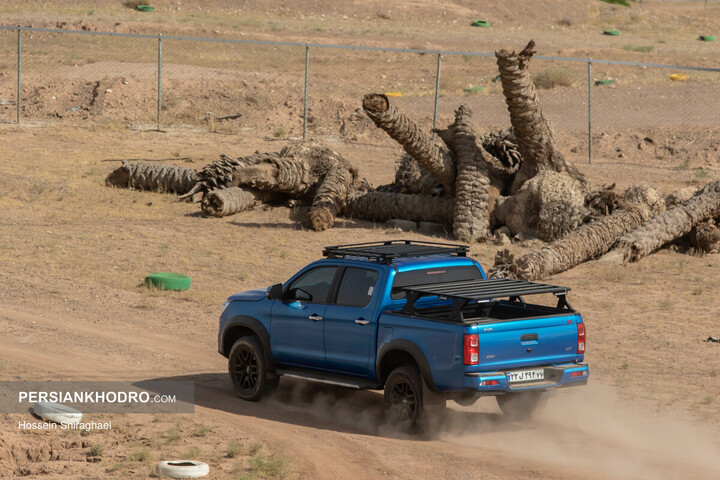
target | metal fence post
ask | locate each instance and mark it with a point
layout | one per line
(589, 111)
(159, 86)
(305, 101)
(437, 91)
(19, 72)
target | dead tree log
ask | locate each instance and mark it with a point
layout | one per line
(310, 173)
(411, 177)
(219, 174)
(152, 176)
(229, 201)
(331, 196)
(705, 238)
(503, 146)
(536, 140)
(672, 224)
(472, 186)
(436, 159)
(382, 206)
(586, 243)
(548, 206)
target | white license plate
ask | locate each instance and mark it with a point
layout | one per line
(526, 375)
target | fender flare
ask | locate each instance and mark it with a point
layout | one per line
(257, 328)
(414, 351)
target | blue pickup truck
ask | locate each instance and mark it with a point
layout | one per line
(419, 320)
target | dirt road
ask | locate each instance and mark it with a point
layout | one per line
(333, 433)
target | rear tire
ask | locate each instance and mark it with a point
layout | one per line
(521, 406)
(409, 404)
(248, 369)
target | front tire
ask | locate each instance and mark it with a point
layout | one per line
(248, 369)
(409, 404)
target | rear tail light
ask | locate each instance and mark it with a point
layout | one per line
(485, 383)
(471, 349)
(578, 374)
(581, 338)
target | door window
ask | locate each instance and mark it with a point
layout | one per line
(312, 286)
(357, 287)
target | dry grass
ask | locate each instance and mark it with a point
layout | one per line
(554, 77)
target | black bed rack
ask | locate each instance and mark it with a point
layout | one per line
(387, 251)
(464, 291)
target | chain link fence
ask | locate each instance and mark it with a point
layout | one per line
(299, 90)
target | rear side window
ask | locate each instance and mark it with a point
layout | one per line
(432, 275)
(357, 287)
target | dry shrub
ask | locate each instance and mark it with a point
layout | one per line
(554, 77)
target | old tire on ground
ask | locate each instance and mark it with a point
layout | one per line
(182, 469)
(168, 281)
(520, 406)
(248, 369)
(409, 404)
(57, 413)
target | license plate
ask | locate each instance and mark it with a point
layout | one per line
(526, 375)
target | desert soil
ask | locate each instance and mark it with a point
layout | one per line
(73, 253)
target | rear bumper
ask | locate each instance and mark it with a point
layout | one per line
(556, 376)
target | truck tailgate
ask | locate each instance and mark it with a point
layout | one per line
(524, 343)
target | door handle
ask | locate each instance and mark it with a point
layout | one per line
(315, 318)
(362, 321)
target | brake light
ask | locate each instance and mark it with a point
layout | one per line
(471, 349)
(581, 338)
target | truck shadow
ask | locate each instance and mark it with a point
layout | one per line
(317, 405)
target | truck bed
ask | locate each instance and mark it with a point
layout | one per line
(481, 301)
(488, 312)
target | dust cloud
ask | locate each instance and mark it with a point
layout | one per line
(593, 431)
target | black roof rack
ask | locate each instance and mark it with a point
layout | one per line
(485, 289)
(464, 291)
(386, 251)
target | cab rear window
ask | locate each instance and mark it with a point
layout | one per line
(432, 275)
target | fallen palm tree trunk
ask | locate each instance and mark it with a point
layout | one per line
(536, 140)
(586, 243)
(672, 224)
(382, 206)
(436, 159)
(503, 146)
(152, 176)
(229, 201)
(410, 177)
(220, 174)
(309, 173)
(472, 186)
(330, 197)
(548, 206)
(706, 237)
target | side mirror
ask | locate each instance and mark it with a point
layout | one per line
(274, 292)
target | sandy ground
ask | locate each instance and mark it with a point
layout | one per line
(73, 252)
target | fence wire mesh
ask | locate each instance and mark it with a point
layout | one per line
(73, 78)
(231, 86)
(216, 85)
